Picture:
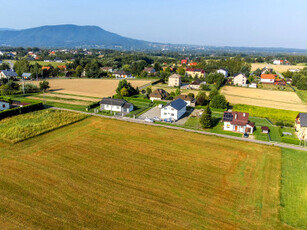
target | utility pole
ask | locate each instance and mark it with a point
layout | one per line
(23, 84)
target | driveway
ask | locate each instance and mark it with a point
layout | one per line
(154, 112)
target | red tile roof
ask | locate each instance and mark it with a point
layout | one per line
(195, 70)
(268, 76)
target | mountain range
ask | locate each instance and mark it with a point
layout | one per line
(74, 36)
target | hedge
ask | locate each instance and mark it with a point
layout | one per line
(290, 140)
(93, 105)
(21, 110)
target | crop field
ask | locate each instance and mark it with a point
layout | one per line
(89, 87)
(109, 174)
(264, 98)
(279, 68)
(21, 127)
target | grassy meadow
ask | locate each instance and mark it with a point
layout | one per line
(294, 188)
(21, 127)
(100, 173)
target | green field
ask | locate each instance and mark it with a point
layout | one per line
(274, 114)
(54, 64)
(107, 174)
(302, 94)
(294, 188)
(21, 127)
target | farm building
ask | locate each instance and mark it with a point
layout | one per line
(4, 105)
(240, 79)
(223, 71)
(301, 126)
(188, 99)
(158, 94)
(268, 78)
(8, 74)
(117, 105)
(265, 129)
(174, 110)
(174, 80)
(195, 72)
(237, 122)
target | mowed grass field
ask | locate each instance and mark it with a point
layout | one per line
(107, 174)
(89, 87)
(279, 68)
(264, 98)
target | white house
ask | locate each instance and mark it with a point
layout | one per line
(4, 105)
(252, 85)
(237, 122)
(116, 105)
(174, 110)
(294, 70)
(8, 74)
(121, 74)
(240, 79)
(268, 78)
(223, 71)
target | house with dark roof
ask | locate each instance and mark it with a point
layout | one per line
(8, 74)
(158, 94)
(26, 75)
(116, 105)
(174, 110)
(301, 126)
(196, 84)
(188, 99)
(149, 70)
(238, 122)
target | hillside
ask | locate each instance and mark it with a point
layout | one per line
(68, 36)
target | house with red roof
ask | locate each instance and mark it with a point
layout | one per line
(46, 67)
(62, 67)
(268, 78)
(184, 61)
(195, 72)
(193, 64)
(280, 82)
(238, 122)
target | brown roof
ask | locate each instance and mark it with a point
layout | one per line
(264, 128)
(184, 97)
(237, 118)
(159, 93)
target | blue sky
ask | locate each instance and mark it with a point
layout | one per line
(259, 23)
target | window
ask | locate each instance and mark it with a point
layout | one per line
(3, 105)
(165, 113)
(172, 114)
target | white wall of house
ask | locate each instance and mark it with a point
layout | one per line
(4, 105)
(276, 62)
(267, 81)
(224, 72)
(115, 108)
(239, 80)
(155, 99)
(169, 112)
(237, 128)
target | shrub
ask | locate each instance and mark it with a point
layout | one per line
(219, 102)
(21, 110)
(290, 140)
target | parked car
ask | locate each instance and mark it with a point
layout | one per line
(149, 120)
(156, 119)
(245, 135)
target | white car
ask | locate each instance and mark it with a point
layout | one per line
(149, 120)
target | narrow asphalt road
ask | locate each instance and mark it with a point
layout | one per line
(127, 119)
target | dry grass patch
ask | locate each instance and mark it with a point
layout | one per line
(64, 96)
(110, 174)
(279, 68)
(60, 100)
(264, 98)
(89, 87)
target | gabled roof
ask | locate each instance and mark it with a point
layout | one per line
(196, 82)
(117, 102)
(175, 76)
(268, 76)
(26, 75)
(159, 93)
(185, 97)
(239, 74)
(236, 118)
(9, 73)
(121, 72)
(195, 70)
(177, 104)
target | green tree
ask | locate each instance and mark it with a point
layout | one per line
(79, 71)
(201, 98)
(44, 85)
(148, 90)
(219, 102)
(191, 95)
(124, 92)
(128, 86)
(213, 93)
(177, 92)
(206, 118)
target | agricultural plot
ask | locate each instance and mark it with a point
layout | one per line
(89, 87)
(21, 127)
(278, 68)
(264, 98)
(120, 175)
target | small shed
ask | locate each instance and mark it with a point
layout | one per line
(265, 129)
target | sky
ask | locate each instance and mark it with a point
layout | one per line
(248, 23)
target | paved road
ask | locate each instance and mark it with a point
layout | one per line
(127, 119)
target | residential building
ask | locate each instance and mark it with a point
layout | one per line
(46, 68)
(294, 70)
(174, 110)
(266, 70)
(301, 126)
(8, 74)
(174, 80)
(193, 64)
(239, 79)
(188, 99)
(265, 129)
(281, 62)
(158, 94)
(4, 105)
(196, 84)
(268, 78)
(107, 69)
(62, 67)
(121, 74)
(280, 82)
(116, 105)
(184, 61)
(223, 71)
(150, 70)
(195, 72)
(237, 122)
(26, 75)
(252, 85)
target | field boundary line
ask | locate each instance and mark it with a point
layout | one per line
(127, 119)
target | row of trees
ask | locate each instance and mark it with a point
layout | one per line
(11, 87)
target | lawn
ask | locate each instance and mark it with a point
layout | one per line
(21, 127)
(100, 173)
(294, 188)
(302, 94)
